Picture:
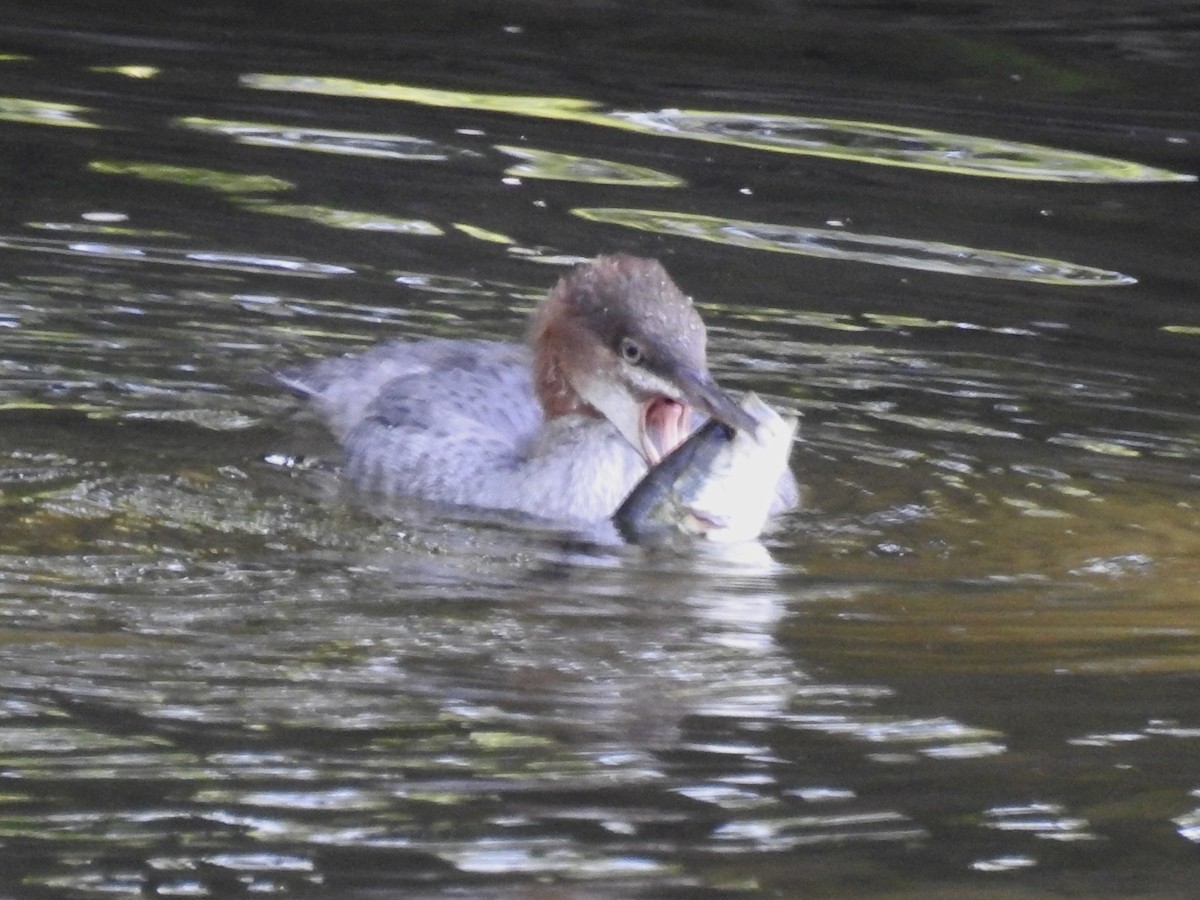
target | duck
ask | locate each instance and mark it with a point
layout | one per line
(613, 377)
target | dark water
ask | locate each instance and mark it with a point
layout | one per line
(954, 236)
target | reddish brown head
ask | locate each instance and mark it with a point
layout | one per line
(616, 338)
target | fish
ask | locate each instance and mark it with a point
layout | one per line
(721, 484)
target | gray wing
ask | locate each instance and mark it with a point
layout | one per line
(345, 390)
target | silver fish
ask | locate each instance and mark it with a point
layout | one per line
(719, 484)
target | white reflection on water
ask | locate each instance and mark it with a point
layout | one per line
(326, 140)
(44, 112)
(940, 731)
(786, 832)
(347, 219)
(536, 163)
(1044, 820)
(877, 249)
(1007, 863)
(1188, 824)
(875, 143)
(172, 256)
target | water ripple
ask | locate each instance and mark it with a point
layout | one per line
(787, 832)
(325, 140)
(906, 253)
(346, 219)
(170, 256)
(894, 145)
(874, 143)
(584, 169)
(43, 112)
(1045, 820)
(193, 176)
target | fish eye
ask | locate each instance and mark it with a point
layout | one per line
(631, 351)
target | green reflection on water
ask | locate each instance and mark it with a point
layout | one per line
(325, 140)
(854, 141)
(130, 71)
(43, 112)
(508, 740)
(1094, 445)
(569, 108)
(929, 256)
(951, 426)
(584, 169)
(483, 234)
(894, 145)
(351, 220)
(106, 230)
(210, 179)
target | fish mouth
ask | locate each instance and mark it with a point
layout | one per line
(663, 425)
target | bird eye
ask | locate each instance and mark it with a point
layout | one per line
(631, 352)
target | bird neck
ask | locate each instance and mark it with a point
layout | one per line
(555, 393)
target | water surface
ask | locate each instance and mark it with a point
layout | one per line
(961, 244)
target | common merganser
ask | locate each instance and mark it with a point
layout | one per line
(615, 377)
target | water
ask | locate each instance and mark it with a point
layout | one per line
(957, 241)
